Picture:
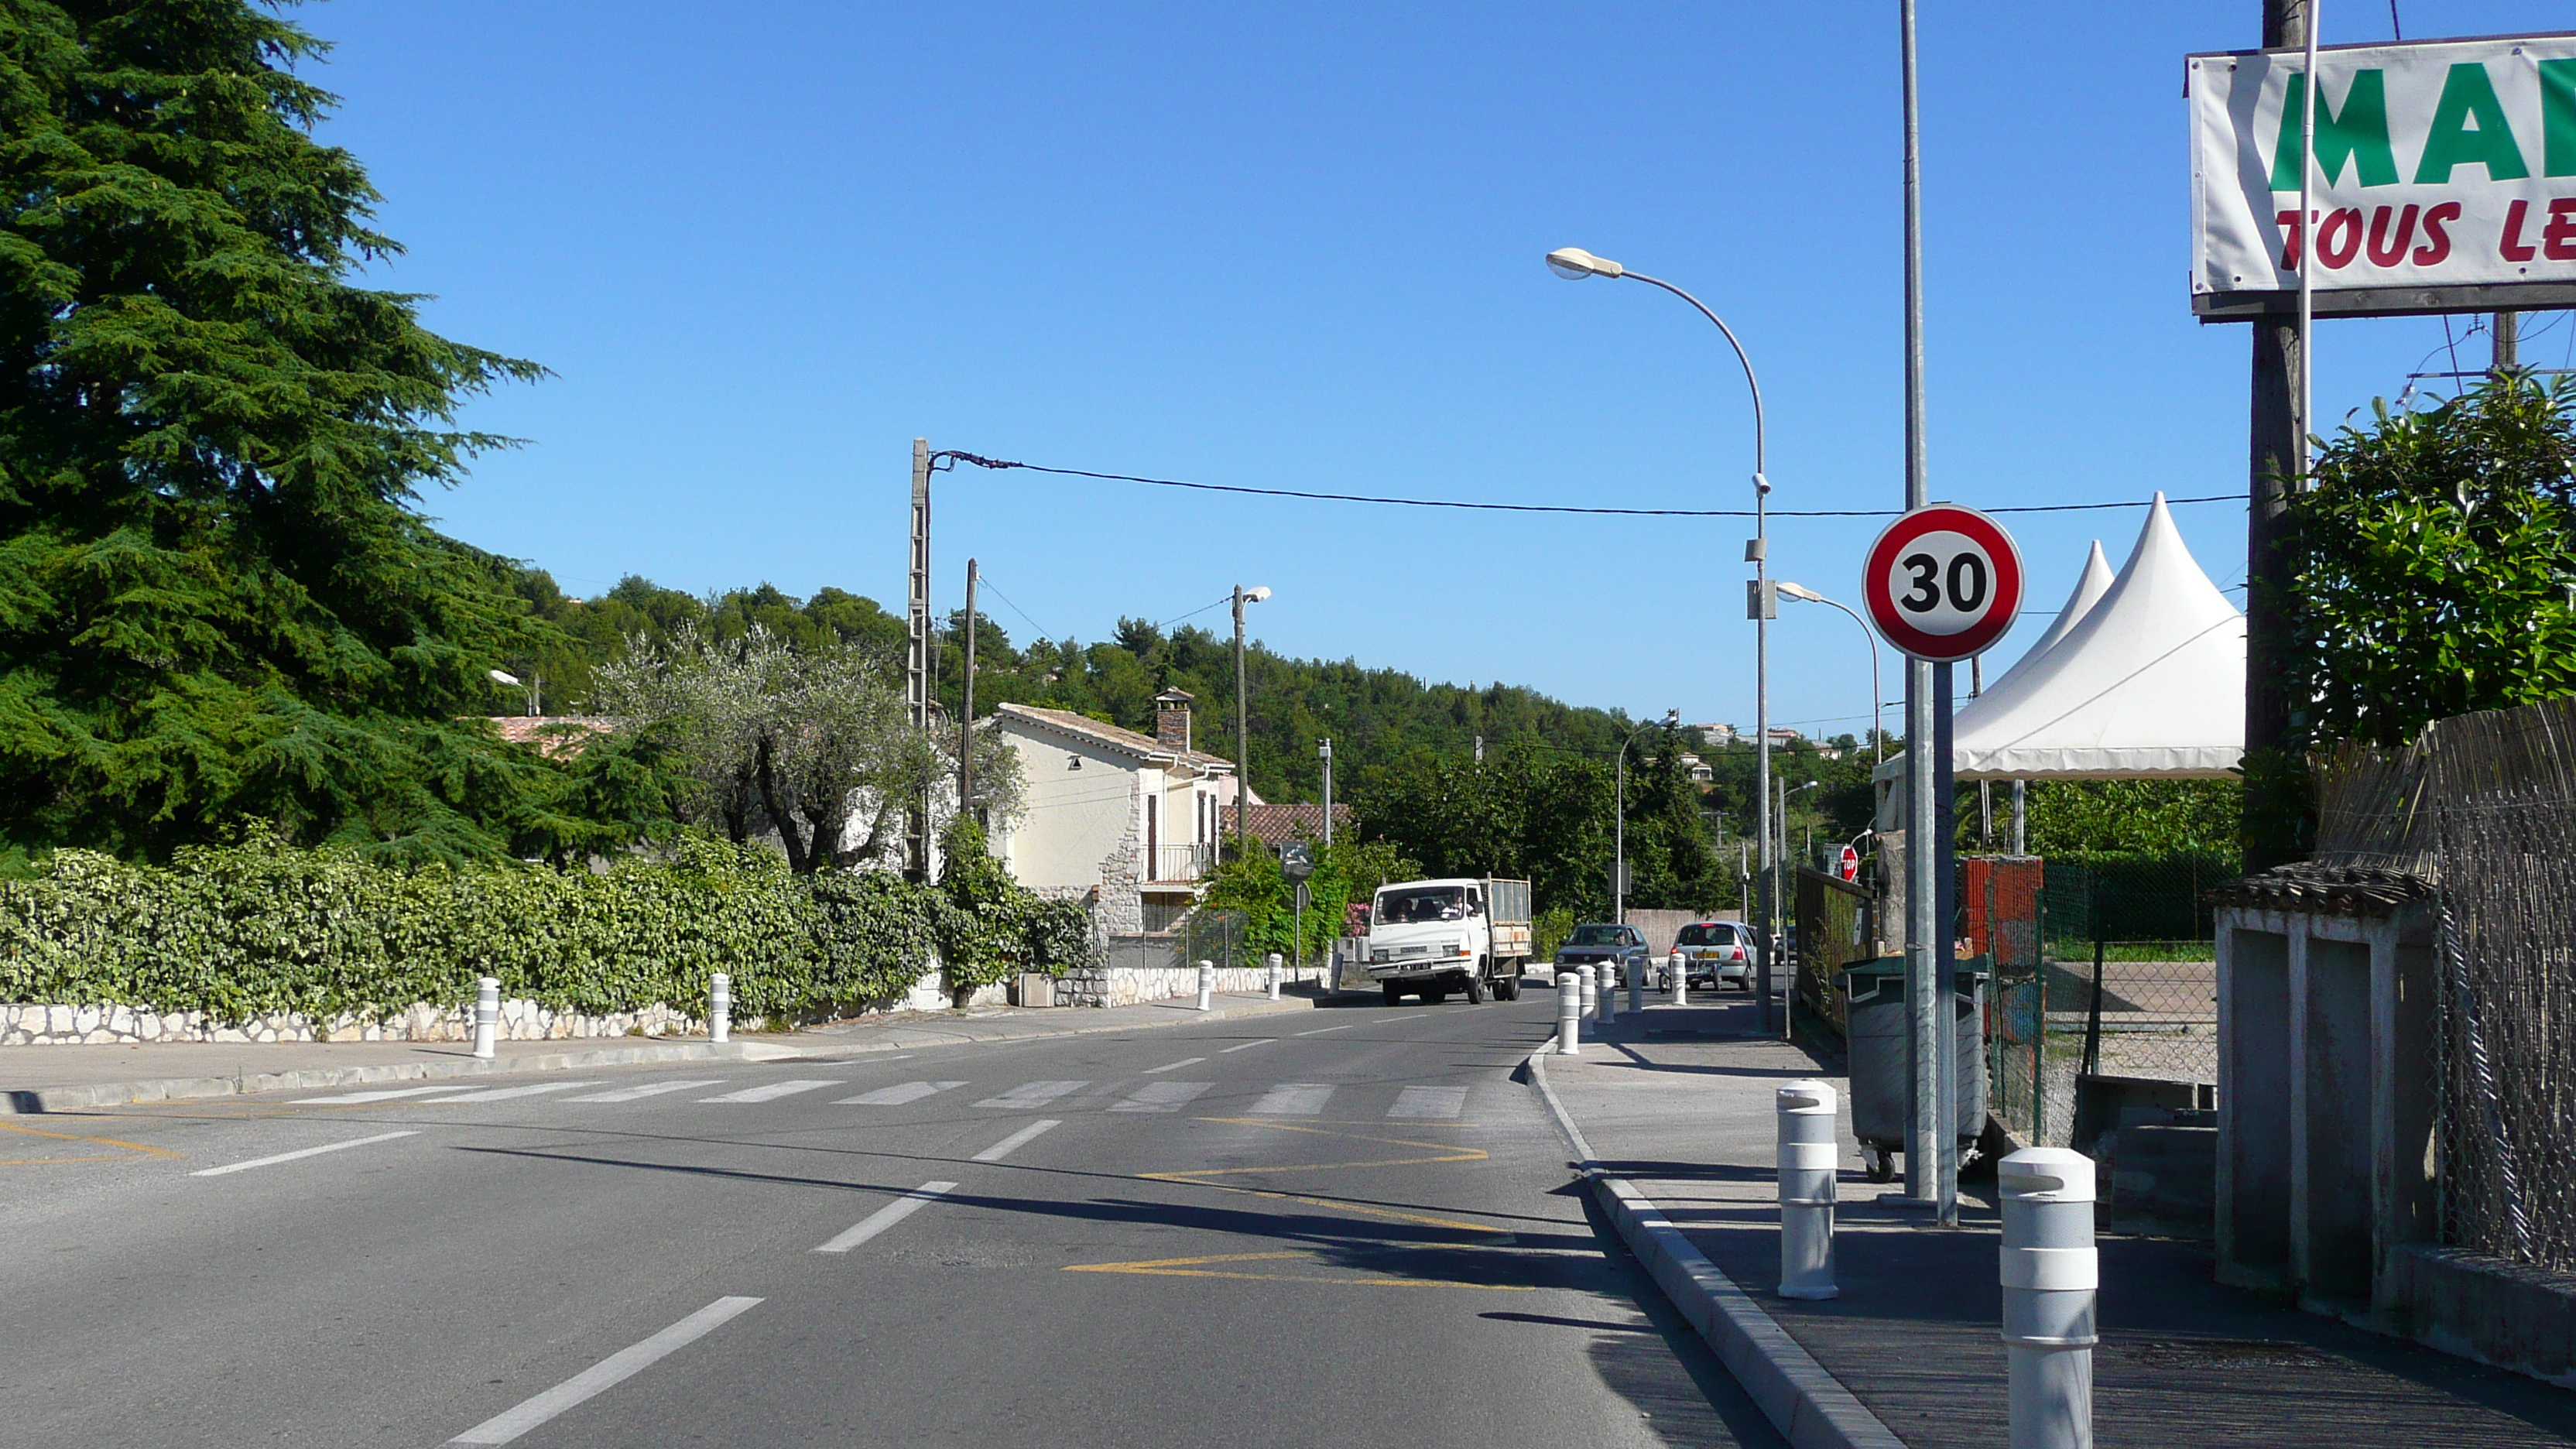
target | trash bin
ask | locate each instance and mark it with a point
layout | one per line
(1881, 1081)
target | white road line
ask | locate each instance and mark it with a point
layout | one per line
(1319, 1031)
(887, 1216)
(1161, 1096)
(291, 1156)
(896, 1096)
(1175, 1066)
(1031, 1094)
(1293, 1099)
(1408, 1016)
(1249, 1045)
(1017, 1140)
(503, 1094)
(775, 1090)
(1429, 1102)
(650, 1089)
(352, 1099)
(605, 1374)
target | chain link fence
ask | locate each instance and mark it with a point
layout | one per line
(1202, 935)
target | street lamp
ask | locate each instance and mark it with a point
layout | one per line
(1672, 720)
(1242, 719)
(1324, 752)
(1877, 722)
(1574, 264)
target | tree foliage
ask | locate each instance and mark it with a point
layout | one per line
(217, 599)
(1252, 882)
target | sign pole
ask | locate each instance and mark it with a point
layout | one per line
(1921, 862)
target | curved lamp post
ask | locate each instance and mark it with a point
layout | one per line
(1877, 719)
(1619, 818)
(1574, 264)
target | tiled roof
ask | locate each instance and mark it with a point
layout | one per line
(1083, 726)
(1276, 825)
(534, 729)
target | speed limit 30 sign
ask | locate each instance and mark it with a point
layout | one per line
(1943, 583)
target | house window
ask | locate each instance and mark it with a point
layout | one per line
(1150, 836)
(1165, 915)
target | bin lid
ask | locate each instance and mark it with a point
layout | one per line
(1862, 975)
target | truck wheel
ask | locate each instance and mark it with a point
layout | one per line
(1508, 989)
(1475, 991)
(1393, 996)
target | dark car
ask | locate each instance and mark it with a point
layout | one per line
(1619, 948)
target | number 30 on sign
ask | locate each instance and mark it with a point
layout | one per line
(1943, 583)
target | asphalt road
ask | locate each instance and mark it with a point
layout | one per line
(1344, 1227)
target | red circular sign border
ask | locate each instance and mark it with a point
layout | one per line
(1942, 648)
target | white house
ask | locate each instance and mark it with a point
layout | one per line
(1128, 821)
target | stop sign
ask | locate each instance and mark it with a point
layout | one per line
(1943, 583)
(1849, 865)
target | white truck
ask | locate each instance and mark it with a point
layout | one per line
(1432, 937)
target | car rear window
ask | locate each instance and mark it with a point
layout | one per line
(1705, 934)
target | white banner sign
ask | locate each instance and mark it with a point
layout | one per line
(2439, 163)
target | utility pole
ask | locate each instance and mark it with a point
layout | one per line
(966, 726)
(916, 678)
(2507, 331)
(1325, 751)
(1242, 736)
(2276, 457)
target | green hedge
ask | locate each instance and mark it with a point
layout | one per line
(240, 931)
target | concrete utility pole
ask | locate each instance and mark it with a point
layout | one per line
(2277, 455)
(916, 676)
(966, 726)
(1324, 751)
(2507, 331)
(1242, 719)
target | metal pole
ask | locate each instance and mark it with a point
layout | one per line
(1945, 968)
(1619, 839)
(916, 677)
(1325, 749)
(1242, 734)
(2021, 818)
(1921, 849)
(966, 726)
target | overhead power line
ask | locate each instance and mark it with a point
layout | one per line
(952, 456)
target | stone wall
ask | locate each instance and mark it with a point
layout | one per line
(55, 1025)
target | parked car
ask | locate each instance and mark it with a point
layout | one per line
(1716, 953)
(1619, 948)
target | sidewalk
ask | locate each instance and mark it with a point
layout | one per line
(1677, 1107)
(69, 1078)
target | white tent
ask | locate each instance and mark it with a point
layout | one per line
(2089, 589)
(2147, 681)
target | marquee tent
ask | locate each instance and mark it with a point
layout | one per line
(2089, 590)
(2148, 681)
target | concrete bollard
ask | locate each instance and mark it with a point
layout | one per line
(1274, 975)
(1810, 1150)
(1207, 985)
(720, 1007)
(1637, 987)
(487, 1015)
(1569, 1014)
(2050, 1272)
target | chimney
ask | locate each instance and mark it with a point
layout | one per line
(1172, 719)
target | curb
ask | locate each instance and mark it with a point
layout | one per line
(1808, 1405)
(38, 1101)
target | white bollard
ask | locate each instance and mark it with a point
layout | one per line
(1274, 975)
(1810, 1150)
(1207, 985)
(1591, 990)
(1681, 980)
(2050, 1272)
(1569, 1014)
(487, 1015)
(1636, 987)
(1609, 996)
(720, 1007)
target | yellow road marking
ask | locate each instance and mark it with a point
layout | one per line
(47, 1161)
(1448, 1153)
(76, 1137)
(1195, 1268)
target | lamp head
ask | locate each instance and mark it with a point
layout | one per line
(502, 677)
(1255, 596)
(1672, 719)
(1799, 591)
(1574, 264)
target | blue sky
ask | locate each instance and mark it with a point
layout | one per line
(763, 247)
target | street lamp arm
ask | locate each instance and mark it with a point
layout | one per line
(1878, 725)
(1750, 381)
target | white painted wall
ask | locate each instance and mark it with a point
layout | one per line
(1074, 819)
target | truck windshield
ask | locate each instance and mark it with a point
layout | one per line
(1598, 936)
(1424, 903)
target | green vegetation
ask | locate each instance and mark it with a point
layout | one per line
(1250, 882)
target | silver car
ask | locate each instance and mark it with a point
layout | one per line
(1715, 953)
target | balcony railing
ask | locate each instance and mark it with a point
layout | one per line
(1179, 862)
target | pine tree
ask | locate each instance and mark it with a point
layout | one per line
(218, 601)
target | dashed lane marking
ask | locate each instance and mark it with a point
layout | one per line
(887, 1216)
(1018, 1140)
(1174, 1066)
(605, 1374)
(293, 1156)
(1249, 1045)
(1319, 1031)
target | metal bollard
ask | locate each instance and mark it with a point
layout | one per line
(1809, 1152)
(2050, 1272)
(1681, 981)
(1609, 996)
(1274, 975)
(720, 1007)
(1636, 987)
(1569, 1014)
(487, 1015)
(1207, 985)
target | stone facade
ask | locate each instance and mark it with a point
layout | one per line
(1121, 908)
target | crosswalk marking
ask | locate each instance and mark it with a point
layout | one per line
(1293, 1099)
(351, 1099)
(775, 1090)
(1031, 1094)
(896, 1096)
(503, 1094)
(1161, 1096)
(1429, 1102)
(649, 1089)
